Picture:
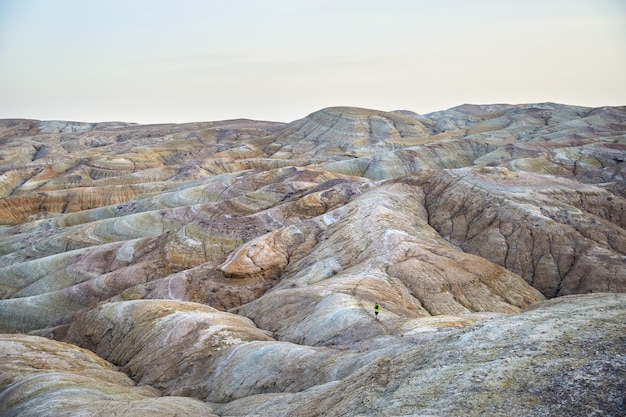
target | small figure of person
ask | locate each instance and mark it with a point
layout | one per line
(376, 310)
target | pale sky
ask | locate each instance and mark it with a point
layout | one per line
(156, 61)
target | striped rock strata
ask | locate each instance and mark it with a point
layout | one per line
(231, 267)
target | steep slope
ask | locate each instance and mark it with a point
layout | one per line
(237, 262)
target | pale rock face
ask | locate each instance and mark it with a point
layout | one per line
(231, 268)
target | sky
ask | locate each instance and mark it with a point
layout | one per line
(157, 61)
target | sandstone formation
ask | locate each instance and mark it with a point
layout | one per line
(230, 268)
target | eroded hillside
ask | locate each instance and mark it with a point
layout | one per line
(230, 268)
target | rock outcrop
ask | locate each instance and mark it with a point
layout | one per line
(230, 268)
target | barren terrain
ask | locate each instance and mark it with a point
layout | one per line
(230, 268)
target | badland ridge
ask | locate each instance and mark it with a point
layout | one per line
(231, 267)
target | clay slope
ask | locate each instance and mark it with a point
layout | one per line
(231, 267)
